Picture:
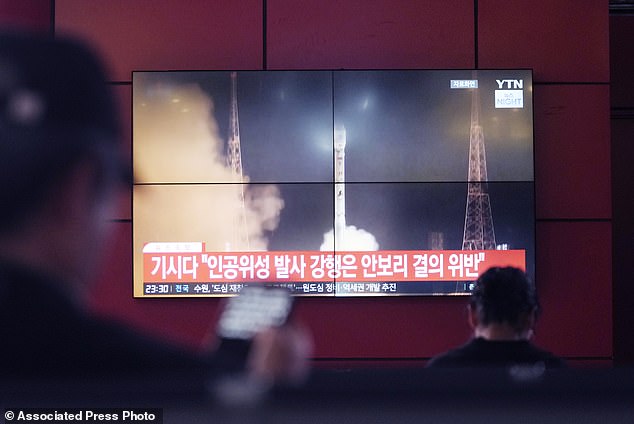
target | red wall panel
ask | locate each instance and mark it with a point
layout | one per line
(167, 34)
(384, 328)
(26, 14)
(377, 34)
(564, 40)
(574, 280)
(572, 151)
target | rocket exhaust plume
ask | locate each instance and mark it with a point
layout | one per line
(342, 236)
(176, 140)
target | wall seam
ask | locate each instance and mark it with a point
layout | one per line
(264, 31)
(475, 33)
(52, 18)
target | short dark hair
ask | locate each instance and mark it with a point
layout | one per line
(55, 110)
(504, 295)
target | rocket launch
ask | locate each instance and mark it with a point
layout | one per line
(341, 236)
(340, 186)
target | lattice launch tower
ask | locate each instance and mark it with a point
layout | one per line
(478, 227)
(240, 238)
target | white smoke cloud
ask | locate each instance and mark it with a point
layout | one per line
(264, 206)
(176, 140)
(354, 239)
(175, 136)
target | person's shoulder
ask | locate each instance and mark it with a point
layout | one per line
(479, 353)
(548, 358)
(53, 333)
(456, 357)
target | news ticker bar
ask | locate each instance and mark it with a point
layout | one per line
(86, 415)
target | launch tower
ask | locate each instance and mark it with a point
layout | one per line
(478, 226)
(240, 238)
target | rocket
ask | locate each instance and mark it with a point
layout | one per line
(340, 187)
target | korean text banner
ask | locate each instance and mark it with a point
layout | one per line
(316, 266)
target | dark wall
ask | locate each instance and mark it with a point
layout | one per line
(567, 46)
(622, 107)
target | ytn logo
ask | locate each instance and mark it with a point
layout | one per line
(510, 84)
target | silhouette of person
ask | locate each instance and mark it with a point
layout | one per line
(502, 313)
(61, 172)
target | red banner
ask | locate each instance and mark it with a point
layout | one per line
(318, 266)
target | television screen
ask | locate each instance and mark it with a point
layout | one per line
(330, 183)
